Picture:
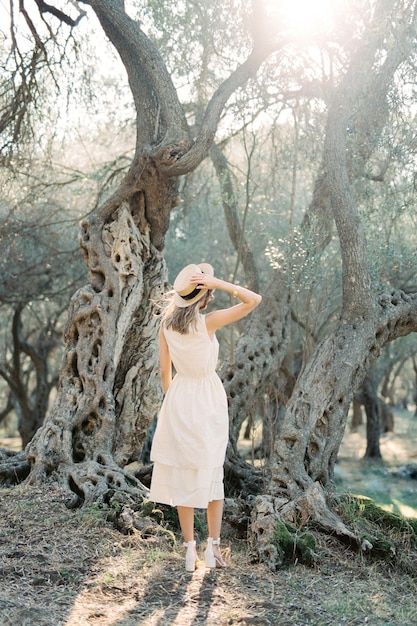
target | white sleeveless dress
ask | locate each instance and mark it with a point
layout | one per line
(189, 445)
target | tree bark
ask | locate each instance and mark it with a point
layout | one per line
(373, 419)
(259, 353)
(88, 437)
(379, 418)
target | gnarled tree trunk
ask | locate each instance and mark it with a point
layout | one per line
(316, 414)
(96, 426)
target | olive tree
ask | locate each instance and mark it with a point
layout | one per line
(108, 391)
(316, 413)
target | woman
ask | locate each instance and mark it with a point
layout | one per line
(190, 440)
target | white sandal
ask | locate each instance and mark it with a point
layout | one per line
(190, 558)
(211, 560)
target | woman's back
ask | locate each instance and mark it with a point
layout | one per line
(194, 353)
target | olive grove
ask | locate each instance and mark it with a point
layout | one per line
(193, 104)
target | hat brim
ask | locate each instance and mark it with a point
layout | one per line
(190, 270)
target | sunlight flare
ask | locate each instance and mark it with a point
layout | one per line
(304, 19)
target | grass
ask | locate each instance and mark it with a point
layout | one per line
(377, 478)
(58, 572)
(63, 567)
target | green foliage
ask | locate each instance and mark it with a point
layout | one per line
(93, 516)
(197, 38)
(294, 545)
(363, 512)
(384, 535)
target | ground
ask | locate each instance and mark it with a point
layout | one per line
(61, 567)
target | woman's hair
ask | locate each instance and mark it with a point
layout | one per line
(182, 319)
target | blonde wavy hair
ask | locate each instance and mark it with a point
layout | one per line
(182, 319)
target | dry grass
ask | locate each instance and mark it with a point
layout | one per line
(72, 568)
(61, 567)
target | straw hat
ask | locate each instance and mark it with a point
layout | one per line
(187, 293)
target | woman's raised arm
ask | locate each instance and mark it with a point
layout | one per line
(249, 300)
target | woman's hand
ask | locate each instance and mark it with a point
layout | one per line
(205, 281)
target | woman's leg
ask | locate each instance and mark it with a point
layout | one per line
(214, 523)
(186, 517)
(214, 518)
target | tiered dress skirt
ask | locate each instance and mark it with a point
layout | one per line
(190, 440)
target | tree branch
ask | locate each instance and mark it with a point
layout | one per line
(397, 315)
(191, 159)
(150, 82)
(44, 7)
